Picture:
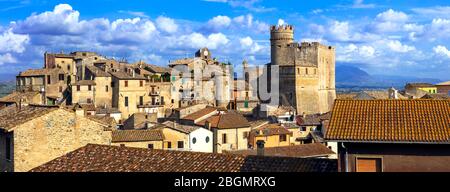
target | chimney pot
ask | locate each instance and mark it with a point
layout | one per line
(260, 148)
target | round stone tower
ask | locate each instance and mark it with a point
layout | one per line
(280, 37)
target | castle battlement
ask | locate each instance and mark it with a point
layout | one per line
(281, 28)
(315, 44)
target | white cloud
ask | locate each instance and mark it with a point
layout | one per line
(135, 30)
(359, 4)
(7, 58)
(249, 46)
(135, 13)
(397, 46)
(62, 20)
(393, 16)
(340, 31)
(390, 21)
(247, 21)
(11, 42)
(281, 22)
(366, 51)
(433, 12)
(246, 41)
(442, 50)
(219, 22)
(166, 24)
(197, 40)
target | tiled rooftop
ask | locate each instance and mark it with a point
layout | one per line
(98, 72)
(410, 121)
(300, 151)
(103, 158)
(40, 72)
(16, 96)
(201, 113)
(137, 135)
(25, 114)
(225, 121)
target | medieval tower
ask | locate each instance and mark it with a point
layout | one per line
(306, 71)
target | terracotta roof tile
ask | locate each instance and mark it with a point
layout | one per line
(270, 129)
(137, 135)
(226, 120)
(126, 76)
(103, 158)
(201, 113)
(40, 72)
(179, 127)
(25, 114)
(98, 72)
(301, 151)
(411, 121)
(16, 96)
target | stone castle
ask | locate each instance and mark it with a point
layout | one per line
(306, 71)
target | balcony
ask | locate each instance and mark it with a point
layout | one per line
(154, 93)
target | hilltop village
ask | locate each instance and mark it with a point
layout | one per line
(195, 114)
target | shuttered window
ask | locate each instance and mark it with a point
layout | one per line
(368, 165)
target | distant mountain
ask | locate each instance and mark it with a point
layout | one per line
(349, 77)
(6, 77)
(6, 88)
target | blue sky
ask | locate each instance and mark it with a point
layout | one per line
(409, 38)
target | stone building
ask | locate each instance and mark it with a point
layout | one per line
(83, 92)
(52, 83)
(201, 79)
(33, 135)
(230, 131)
(306, 71)
(102, 91)
(144, 138)
(273, 135)
(129, 92)
(21, 98)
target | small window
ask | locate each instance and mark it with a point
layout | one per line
(89, 100)
(78, 87)
(126, 83)
(126, 101)
(180, 144)
(122, 145)
(60, 89)
(302, 128)
(169, 145)
(150, 146)
(207, 139)
(141, 100)
(245, 135)
(224, 138)
(89, 87)
(106, 88)
(68, 67)
(62, 61)
(283, 138)
(194, 140)
(61, 77)
(48, 80)
(141, 83)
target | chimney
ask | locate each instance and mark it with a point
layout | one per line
(260, 147)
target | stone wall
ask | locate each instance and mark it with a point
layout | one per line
(236, 139)
(307, 72)
(53, 135)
